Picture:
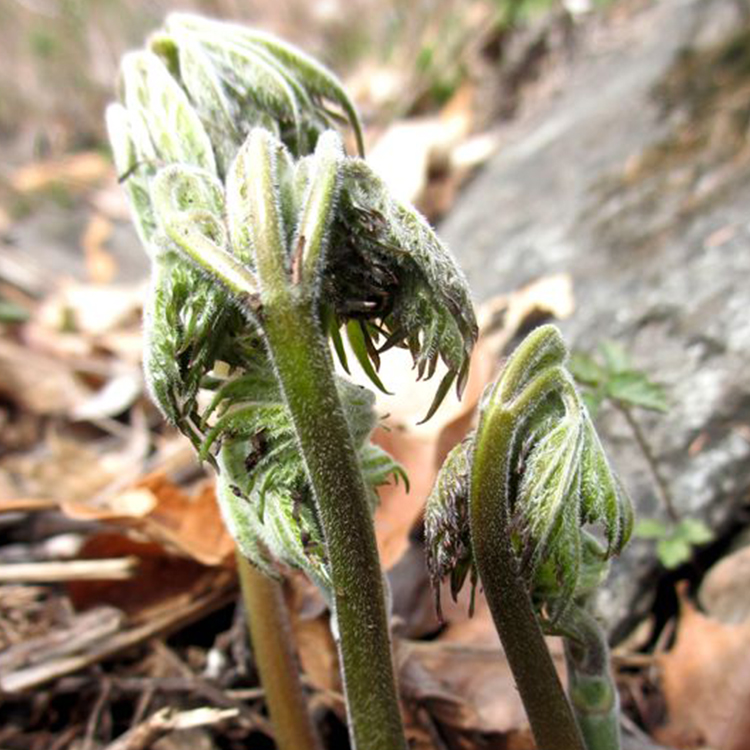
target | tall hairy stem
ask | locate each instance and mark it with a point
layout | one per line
(305, 373)
(550, 715)
(304, 369)
(284, 306)
(270, 633)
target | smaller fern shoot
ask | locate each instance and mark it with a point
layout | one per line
(517, 507)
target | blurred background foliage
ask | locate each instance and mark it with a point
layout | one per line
(59, 59)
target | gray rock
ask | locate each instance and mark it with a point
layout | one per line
(633, 178)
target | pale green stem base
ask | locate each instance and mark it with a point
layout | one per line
(270, 634)
(590, 685)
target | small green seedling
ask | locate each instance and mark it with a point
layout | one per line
(514, 507)
(675, 543)
(612, 376)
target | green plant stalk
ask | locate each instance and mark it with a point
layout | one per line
(549, 712)
(662, 486)
(305, 371)
(304, 368)
(287, 316)
(270, 633)
(590, 685)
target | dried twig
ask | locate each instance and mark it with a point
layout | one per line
(211, 692)
(168, 720)
(84, 630)
(178, 616)
(114, 569)
(96, 712)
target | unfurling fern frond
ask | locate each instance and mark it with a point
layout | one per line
(264, 493)
(558, 482)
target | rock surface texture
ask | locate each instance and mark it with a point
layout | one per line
(633, 176)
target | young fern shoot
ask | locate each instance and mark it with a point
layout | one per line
(189, 100)
(262, 252)
(509, 510)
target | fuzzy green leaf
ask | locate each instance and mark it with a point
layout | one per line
(560, 481)
(633, 388)
(254, 79)
(386, 266)
(264, 491)
(356, 335)
(602, 495)
(586, 369)
(542, 352)
(616, 359)
(189, 206)
(650, 528)
(188, 324)
(166, 128)
(549, 491)
(320, 204)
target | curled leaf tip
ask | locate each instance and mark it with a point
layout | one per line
(387, 267)
(562, 481)
(559, 488)
(446, 523)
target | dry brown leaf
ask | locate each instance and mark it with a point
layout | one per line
(413, 611)
(317, 653)
(191, 524)
(316, 648)
(398, 510)
(706, 683)
(25, 504)
(307, 605)
(463, 674)
(76, 170)
(100, 265)
(725, 591)
(467, 687)
(479, 629)
(475, 630)
(161, 579)
(402, 155)
(415, 156)
(163, 512)
(5, 220)
(111, 201)
(75, 473)
(36, 382)
(91, 309)
(89, 329)
(112, 399)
